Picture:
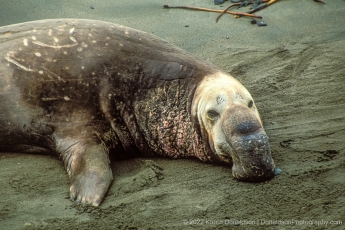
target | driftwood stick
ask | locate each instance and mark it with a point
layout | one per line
(226, 9)
(234, 4)
(262, 7)
(211, 10)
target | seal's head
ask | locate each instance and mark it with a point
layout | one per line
(229, 122)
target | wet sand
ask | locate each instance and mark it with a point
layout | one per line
(294, 69)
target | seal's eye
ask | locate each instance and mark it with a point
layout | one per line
(212, 115)
(250, 104)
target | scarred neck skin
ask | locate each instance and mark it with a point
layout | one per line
(153, 114)
(166, 123)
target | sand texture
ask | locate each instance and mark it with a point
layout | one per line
(294, 69)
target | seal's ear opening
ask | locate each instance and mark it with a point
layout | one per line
(251, 157)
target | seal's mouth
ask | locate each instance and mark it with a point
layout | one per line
(252, 159)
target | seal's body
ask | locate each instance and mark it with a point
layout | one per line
(80, 88)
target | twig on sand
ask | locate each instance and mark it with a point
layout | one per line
(237, 4)
(237, 14)
(211, 10)
(270, 2)
(226, 10)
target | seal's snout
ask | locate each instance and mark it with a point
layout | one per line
(251, 157)
(246, 127)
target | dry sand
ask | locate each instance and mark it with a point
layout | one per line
(295, 70)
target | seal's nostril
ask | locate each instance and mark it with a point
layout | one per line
(246, 127)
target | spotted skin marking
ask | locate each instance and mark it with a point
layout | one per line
(9, 59)
(71, 31)
(220, 100)
(52, 46)
(238, 95)
(73, 39)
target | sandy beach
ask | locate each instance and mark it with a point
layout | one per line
(294, 68)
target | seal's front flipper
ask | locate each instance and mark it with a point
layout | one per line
(88, 168)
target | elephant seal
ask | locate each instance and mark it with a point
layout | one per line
(82, 88)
